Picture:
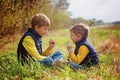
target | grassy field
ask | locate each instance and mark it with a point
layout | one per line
(109, 68)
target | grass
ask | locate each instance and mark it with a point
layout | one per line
(10, 69)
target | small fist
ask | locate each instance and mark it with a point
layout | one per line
(51, 43)
(69, 48)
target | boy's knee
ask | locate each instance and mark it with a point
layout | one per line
(48, 61)
(59, 52)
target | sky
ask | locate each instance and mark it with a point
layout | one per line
(105, 10)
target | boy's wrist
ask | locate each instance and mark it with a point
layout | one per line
(70, 50)
(50, 47)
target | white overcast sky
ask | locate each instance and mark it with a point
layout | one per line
(106, 10)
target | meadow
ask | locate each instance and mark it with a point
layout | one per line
(108, 69)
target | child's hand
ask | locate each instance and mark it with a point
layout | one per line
(68, 61)
(51, 43)
(69, 48)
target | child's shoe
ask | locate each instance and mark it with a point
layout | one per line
(59, 63)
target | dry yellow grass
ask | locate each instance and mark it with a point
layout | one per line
(111, 45)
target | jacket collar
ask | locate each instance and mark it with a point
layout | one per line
(80, 41)
(34, 32)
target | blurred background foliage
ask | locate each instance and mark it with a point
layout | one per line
(15, 15)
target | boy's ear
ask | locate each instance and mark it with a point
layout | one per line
(79, 35)
(36, 27)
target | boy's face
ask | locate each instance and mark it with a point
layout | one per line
(75, 37)
(42, 30)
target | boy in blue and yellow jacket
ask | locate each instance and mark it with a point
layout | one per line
(84, 54)
(30, 45)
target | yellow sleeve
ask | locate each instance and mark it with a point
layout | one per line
(82, 53)
(47, 52)
(30, 47)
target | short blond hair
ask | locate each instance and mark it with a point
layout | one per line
(40, 20)
(81, 29)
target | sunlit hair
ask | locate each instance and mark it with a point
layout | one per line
(40, 20)
(81, 29)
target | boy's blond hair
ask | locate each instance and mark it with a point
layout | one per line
(81, 29)
(40, 20)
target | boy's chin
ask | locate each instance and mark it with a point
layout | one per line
(44, 34)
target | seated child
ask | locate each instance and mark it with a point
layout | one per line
(30, 45)
(84, 54)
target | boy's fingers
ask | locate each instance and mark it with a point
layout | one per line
(52, 42)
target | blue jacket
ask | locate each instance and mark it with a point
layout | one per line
(22, 54)
(91, 58)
